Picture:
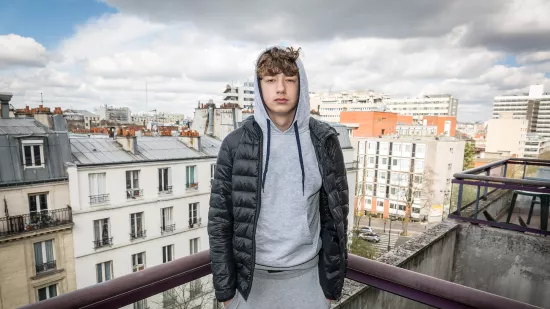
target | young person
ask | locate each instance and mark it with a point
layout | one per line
(277, 221)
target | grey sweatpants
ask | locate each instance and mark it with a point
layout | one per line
(283, 290)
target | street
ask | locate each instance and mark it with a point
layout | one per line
(377, 225)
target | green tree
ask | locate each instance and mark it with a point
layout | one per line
(469, 154)
(363, 248)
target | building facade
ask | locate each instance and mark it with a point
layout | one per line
(533, 106)
(139, 202)
(242, 95)
(36, 243)
(115, 114)
(217, 121)
(396, 172)
(507, 134)
(330, 105)
(160, 118)
(536, 145)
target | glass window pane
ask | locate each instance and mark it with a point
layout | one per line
(28, 155)
(53, 290)
(108, 270)
(42, 294)
(37, 158)
(99, 273)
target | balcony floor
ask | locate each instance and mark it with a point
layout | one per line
(523, 203)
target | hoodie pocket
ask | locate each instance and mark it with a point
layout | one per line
(306, 229)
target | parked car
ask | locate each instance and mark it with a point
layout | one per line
(366, 229)
(372, 237)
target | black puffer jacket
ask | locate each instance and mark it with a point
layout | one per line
(235, 205)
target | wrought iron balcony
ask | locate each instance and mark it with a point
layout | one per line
(134, 193)
(168, 228)
(44, 267)
(194, 222)
(192, 186)
(165, 190)
(134, 287)
(138, 234)
(104, 242)
(99, 199)
(12, 225)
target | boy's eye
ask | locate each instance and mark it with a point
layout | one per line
(269, 80)
(290, 80)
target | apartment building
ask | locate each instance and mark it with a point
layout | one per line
(160, 118)
(330, 105)
(535, 145)
(36, 243)
(533, 106)
(396, 171)
(139, 202)
(507, 134)
(242, 95)
(115, 114)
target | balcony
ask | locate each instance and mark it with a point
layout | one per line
(12, 225)
(351, 166)
(99, 199)
(104, 242)
(138, 234)
(45, 267)
(134, 193)
(170, 228)
(165, 190)
(194, 222)
(192, 186)
(405, 285)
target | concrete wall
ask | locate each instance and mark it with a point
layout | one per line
(505, 263)
(429, 253)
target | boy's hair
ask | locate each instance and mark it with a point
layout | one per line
(276, 60)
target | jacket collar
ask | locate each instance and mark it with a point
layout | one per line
(319, 129)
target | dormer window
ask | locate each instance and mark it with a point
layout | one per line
(33, 153)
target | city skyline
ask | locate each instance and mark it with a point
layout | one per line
(104, 52)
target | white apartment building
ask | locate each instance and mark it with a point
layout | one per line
(160, 118)
(507, 135)
(242, 95)
(391, 168)
(329, 105)
(536, 145)
(139, 202)
(533, 106)
(115, 114)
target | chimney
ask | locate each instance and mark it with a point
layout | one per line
(191, 139)
(5, 98)
(127, 140)
(211, 106)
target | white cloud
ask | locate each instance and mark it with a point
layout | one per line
(16, 50)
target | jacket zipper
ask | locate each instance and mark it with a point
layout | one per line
(257, 214)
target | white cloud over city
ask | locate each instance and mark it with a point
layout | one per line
(189, 50)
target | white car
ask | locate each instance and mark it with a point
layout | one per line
(372, 237)
(366, 229)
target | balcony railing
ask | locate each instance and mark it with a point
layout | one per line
(351, 165)
(165, 190)
(168, 228)
(194, 222)
(511, 194)
(34, 221)
(104, 242)
(134, 193)
(192, 186)
(99, 199)
(134, 287)
(138, 234)
(44, 267)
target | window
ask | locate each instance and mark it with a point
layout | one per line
(451, 150)
(397, 147)
(138, 261)
(379, 203)
(38, 203)
(417, 194)
(136, 225)
(371, 160)
(416, 210)
(384, 161)
(407, 148)
(369, 189)
(190, 172)
(101, 233)
(394, 162)
(449, 167)
(369, 202)
(132, 184)
(98, 188)
(370, 174)
(393, 205)
(381, 191)
(193, 246)
(420, 149)
(44, 257)
(393, 190)
(402, 207)
(383, 175)
(104, 271)
(417, 179)
(33, 154)
(193, 214)
(167, 253)
(166, 220)
(47, 292)
(419, 165)
(164, 180)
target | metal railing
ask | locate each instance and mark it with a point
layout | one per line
(104, 242)
(138, 234)
(351, 165)
(134, 193)
(18, 224)
(99, 199)
(44, 267)
(165, 190)
(168, 228)
(134, 287)
(494, 178)
(192, 186)
(195, 221)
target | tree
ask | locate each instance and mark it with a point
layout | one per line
(195, 294)
(416, 188)
(469, 154)
(363, 248)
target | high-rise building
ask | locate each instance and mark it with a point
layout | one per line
(36, 243)
(115, 114)
(398, 171)
(533, 106)
(330, 105)
(242, 95)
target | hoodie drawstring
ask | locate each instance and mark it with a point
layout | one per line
(267, 153)
(297, 134)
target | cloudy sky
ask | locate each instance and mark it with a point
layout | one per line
(84, 53)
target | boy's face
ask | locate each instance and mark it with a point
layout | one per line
(280, 93)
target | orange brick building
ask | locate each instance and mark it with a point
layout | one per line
(443, 124)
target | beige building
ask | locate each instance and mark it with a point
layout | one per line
(507, 134)
(36, 246)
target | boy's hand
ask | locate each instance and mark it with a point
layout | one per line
(226, 303)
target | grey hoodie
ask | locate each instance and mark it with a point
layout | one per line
(288, 228)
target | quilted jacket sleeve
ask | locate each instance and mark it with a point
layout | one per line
(220, 226)
(342, 183)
